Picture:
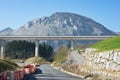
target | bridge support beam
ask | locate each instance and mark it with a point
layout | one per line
(2, 49)
(36, 48)
(71, 47)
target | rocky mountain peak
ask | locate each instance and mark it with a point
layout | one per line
(62, 24)
(6, 31)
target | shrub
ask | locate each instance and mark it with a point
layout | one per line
(61, 55)
(6, 65)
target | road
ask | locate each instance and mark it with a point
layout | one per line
(46, 72)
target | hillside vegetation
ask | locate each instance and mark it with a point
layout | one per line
(60, 56)
(108, 44)
(6, 65)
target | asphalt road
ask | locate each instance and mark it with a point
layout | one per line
(46, 72)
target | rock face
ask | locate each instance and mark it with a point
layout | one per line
(118, 33)
(62, 24)
(105, 60)
(76, 58)
(6, 32)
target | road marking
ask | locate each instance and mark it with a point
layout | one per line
(52, 77)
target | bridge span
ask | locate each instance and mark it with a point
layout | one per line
(54, 37)
(38, 38)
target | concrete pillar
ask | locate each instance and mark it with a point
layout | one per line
(71, 47)
(36, 48)
(2, 52)
(2, 49)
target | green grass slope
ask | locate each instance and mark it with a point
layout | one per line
(108, 44)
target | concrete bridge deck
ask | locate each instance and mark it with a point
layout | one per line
(54, 37)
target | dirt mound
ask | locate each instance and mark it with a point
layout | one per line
(36, 60)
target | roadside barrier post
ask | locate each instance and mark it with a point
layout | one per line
(0, 76)
(11, 77)
(5, 75)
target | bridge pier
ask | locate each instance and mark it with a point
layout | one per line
(2, 49)
(36, 47)
(71, 46)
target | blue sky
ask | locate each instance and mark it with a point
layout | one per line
(15, 13)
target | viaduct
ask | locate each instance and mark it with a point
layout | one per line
(38, 38)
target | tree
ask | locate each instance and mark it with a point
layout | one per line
(25, 49)
(46, 51)
(19, 49)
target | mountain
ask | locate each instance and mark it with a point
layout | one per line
(118, 33)
(62, 24)
(6, 32)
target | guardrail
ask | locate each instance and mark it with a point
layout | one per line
(18, 75)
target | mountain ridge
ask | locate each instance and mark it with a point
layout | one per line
(6, 31)
(62, 24)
